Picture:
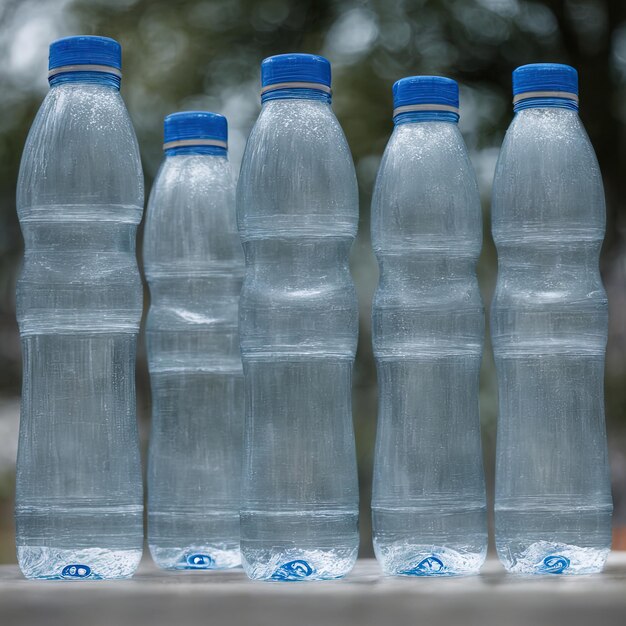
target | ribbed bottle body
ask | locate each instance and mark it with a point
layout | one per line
(428, 501)
(79, 510)
(549, 331)
(194, 267)
(297, 209)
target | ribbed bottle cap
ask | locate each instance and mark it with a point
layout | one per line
(85, 53)
(545, 80)
(195, 128)
(294, 71)
(425, 93)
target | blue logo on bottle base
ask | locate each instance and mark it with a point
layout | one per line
(555, 564)
(294, 570)
(76, 571)
(200, 561)
(426, 567)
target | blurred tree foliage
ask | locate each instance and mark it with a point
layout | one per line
(205, 54)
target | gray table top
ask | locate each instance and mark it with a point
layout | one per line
(364, 598)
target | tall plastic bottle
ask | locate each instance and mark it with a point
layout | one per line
(79, 500)
(428, 504)
(297, 209)
(194, 266)
(549, 329)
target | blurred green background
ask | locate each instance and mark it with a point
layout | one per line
(205, 54)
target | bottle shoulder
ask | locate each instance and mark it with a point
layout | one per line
(297, 173)
(546, 142)
(81, 145)
(191, 179)
(547, 176)
(293, 133)
(196, 165)
(289, 114)
(72, 112)
(426, 195)
(190, 219)
(542, 129)
(429, 159)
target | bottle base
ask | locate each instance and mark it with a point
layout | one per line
(303, 546)
(48, 563)
(569, 540)
(197, 557)
(546, 557)
(194, 539)
(298, 565)
(407, 559)
(422, 541)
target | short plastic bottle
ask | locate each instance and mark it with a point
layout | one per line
(194, 266)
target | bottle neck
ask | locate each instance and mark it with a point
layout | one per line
(521, 103)
(87, 78)
(297, 93)
(425, 116)
(204, 150)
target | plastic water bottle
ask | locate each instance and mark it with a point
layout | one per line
(549, 328)
(194, 266)
(79, 500)
(297, 209)
(428, 503)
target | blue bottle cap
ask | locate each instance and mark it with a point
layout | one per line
(85, 53)
(195, 128)
(427, 94)
(545, 81)
(293, 71)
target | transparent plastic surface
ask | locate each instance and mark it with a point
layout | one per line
(297, 210)
(194, 266)
(79, 511)
(428, 502)
(549, 330)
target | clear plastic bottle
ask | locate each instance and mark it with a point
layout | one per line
(79, 500)
(297, 209)
(549, 329)
(194, 266)
(428, 503)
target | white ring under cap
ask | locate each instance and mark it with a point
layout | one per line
(181, 143)
(566, 95)
(409, 108)
(107, 69)
(296, 85)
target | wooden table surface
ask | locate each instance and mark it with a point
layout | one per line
(364, 598)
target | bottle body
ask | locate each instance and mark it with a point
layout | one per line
(79, 500)
(428, 501)
(549, 331)
(297, 211)
(194, 267)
